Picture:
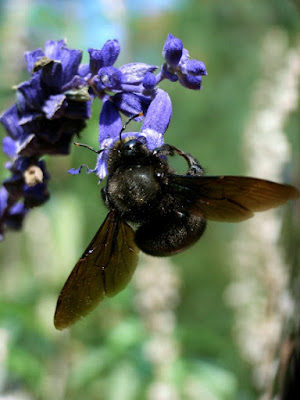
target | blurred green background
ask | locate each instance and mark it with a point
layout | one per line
(103, 356)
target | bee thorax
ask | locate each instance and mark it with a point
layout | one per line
(134, 191)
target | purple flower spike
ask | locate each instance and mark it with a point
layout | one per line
(172, 50)
(53, 105)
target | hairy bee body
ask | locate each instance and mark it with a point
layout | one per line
(168, 212)
(137, 188)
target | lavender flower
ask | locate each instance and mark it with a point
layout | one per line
(53, 105)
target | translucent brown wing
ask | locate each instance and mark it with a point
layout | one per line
(104, 269)
(230, 198)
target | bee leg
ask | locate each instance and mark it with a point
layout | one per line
(195, 170)
(194, 166)
(165, 150)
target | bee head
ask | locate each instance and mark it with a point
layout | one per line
(133, 147)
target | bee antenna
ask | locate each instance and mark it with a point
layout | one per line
(129, 120)
(88, 147)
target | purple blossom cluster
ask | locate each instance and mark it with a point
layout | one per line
(54, 104)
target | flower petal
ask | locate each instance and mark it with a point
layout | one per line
(53, 48)
(54, 106)
(149, 81)
(131, 103)
(31, 57)
(105, 57)
(110, 52)
(172, 50)
(83, 70)
(76, 82)
(110, 122)
(10, 121)
(190, 81)
(159, 113)
(110, 78)
(184, 59)
(101, 165)
(154, 139)
(32, 92)
(195, 67)
(9, 146)
(52, 75)
(3, 200)
(69, 58)
(96, 60)
(134, 73)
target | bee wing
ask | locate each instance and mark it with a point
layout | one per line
(230, 198)
(104, 269)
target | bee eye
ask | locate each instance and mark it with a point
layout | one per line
(132, 147)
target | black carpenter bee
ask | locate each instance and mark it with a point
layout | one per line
(168, 211)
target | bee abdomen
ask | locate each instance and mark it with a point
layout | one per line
(170, 234)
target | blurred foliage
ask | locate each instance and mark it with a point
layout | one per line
(102, 356)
